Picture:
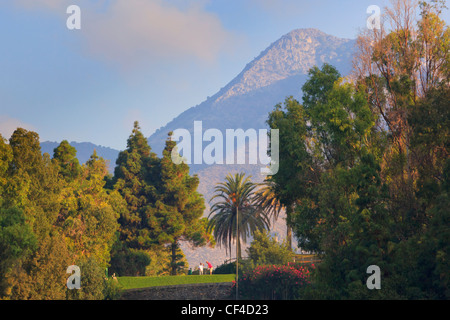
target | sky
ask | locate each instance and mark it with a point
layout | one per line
(144, 60)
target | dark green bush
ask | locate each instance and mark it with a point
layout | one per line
(226, 268)
(129, 263)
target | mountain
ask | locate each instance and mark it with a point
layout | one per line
(84, 152)
(278, 72)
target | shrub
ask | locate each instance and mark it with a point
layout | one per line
(274, 282)
(266, 250)
(227, 268)
(130, 262)
(111, 289)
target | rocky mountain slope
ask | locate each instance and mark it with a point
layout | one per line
(279, 71)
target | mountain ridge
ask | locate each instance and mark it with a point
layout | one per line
(84, 151)
(294, 37)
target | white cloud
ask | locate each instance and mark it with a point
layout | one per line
(135, 30)
(128, 32)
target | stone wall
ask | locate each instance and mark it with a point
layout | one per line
(198, 291)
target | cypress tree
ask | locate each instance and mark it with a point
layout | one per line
(134, 180)
(179, 207)
(65, 156)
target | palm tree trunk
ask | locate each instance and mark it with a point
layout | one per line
(238, 238)
(239, 249)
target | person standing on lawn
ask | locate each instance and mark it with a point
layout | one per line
(200, 269)
(210, 267)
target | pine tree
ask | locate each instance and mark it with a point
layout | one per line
(177, 214)
(65, 156)
(134, 178)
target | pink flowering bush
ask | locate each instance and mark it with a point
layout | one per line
(274, 282)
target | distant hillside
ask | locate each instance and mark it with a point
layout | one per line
(84, 151)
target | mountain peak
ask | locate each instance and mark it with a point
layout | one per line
(305, 31)
(294, 53)
(277, 72)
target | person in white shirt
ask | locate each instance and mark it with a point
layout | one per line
(200, 269)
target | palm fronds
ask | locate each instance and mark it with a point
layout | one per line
(235, 195)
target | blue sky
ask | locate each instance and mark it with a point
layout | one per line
(145, 60)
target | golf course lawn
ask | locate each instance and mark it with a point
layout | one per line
(145, 282)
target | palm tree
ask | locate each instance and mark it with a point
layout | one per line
(235, 202)
(267, 200)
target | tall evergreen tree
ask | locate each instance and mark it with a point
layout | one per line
(134, 179)
(51, 217)
(65, 156)
(177, 212)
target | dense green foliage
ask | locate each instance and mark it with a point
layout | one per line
(266, 250)
(364, 164)
(55, 213)
(16, 241)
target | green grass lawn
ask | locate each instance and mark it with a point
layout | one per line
(145, 282)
